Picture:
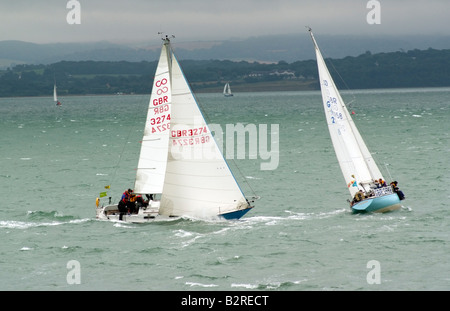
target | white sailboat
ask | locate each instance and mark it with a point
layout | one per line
(179, 160)
(227, 90)
(358, 167)
(55, 96)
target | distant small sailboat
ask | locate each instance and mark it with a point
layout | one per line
(179, 160)
(227, 90)
(55, 96)
(362, 175)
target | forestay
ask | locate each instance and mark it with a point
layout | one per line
(198, 180)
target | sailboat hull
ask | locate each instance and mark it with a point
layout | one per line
(236, 214)
(382, 204)
(149, 214)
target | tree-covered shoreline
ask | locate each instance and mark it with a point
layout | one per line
(415, 68)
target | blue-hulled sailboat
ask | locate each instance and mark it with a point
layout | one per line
(367, 187)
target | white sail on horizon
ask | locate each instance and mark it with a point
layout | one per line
(227, 90)
(55, 97)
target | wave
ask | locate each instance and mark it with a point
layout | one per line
(192, 284)
(268, 286)
(43, 215)
(270, 220)
(15, 224)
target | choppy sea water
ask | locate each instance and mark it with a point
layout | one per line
(301, 235)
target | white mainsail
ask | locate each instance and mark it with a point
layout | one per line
(354, 158)
(152, 163)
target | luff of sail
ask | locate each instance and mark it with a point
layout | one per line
(198, 181)
(152, 163)
(354, 158)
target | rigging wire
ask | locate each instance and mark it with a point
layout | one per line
(116, 167)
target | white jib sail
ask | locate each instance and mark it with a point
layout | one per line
(354, 158)
(198, 180)
(155, 143)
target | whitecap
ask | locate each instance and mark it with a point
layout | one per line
(247, 286)
(182, 233)
(200, 284)
(12, 224)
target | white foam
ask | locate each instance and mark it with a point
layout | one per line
(192, 284)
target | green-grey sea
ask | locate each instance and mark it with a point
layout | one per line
(301, 235)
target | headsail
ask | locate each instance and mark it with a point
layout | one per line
(356, 162)
(198, 180)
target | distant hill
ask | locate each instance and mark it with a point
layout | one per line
(289, 48)
(414, 68)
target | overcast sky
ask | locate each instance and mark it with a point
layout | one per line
(135, 21)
